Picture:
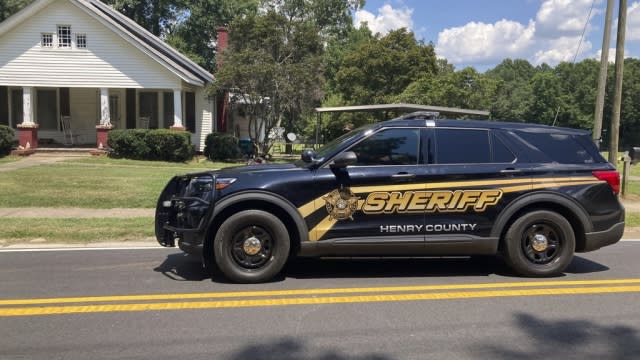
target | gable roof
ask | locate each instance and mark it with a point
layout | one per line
(131, 32)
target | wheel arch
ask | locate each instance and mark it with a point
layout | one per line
(256, 200)
(568, 208)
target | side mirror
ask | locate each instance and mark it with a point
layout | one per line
(344, 159)
(308, 155)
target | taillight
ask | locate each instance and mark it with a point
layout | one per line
(612, 177)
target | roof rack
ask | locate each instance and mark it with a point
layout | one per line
(421, 115)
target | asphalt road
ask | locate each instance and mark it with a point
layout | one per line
(160, 304)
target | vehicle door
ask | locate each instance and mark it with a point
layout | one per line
(472, 175)
(371, 200)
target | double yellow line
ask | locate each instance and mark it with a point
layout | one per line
(217, 300)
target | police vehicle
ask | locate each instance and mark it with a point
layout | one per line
(411, 186)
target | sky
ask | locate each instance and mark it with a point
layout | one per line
(482, 33)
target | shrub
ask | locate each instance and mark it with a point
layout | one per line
(143, 144)
(222, 147)
(6, 140)
(169, 145)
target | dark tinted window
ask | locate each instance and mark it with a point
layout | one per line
(560, 148)
(501, 153)
(462, 146)
(389, 147)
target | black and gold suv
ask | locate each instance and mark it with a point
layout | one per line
(411, 186)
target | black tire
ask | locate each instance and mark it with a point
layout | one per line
(539, 243)
(242, 234)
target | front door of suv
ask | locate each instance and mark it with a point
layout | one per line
(371, 202)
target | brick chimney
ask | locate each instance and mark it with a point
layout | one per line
(223, 97)
(222, 42)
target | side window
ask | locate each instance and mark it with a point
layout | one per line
(501, 153)
(462, 146)
(389, 147)
(559, 148)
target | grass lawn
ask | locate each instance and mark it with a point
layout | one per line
(74, 230)
(632, 219)
(9, 159)
(95, 182)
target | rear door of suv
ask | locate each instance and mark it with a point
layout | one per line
(473, 173)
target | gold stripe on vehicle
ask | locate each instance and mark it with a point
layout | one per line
(322, 228)
(308, 208)
(460, 184)
(547, 185)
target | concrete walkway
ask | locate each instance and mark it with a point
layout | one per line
(74, 213)
(40, 159)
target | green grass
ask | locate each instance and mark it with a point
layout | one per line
(97, 182)
(632, 219)
(74, 230)
(9, 159)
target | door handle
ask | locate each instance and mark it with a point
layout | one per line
(403, 175)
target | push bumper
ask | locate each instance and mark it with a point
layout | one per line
(596, 240)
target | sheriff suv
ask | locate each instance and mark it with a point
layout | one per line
(411, 186)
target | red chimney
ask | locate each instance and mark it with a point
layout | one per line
(223, 97)
(221, 43)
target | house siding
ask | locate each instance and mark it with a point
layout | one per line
(204, 119)
(108, 61)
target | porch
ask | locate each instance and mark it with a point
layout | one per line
(74, 117)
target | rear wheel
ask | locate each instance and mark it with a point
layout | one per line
(539, 243)
(251, 246)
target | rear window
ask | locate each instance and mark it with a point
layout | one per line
(561, 148)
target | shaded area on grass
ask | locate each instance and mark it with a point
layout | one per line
(74, 230)
(9, 159)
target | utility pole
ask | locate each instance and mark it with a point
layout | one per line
(617, 95)
(602, 79)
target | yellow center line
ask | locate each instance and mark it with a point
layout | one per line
(267, 293)
(51, 310)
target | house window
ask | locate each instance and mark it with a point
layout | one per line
(47, 40)
(64, 36)
(81, 41)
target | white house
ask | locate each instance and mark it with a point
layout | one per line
(82, 60)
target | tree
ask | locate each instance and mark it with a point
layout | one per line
(273, 65)
(465, 89)
(195, 32)
(513, 89)
(157, 16)
(381, 68)
(10, 7)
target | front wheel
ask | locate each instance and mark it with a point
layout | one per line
(251, 246)
(539, 243)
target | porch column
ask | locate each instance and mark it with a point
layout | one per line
(105, 117)
(28, 130)
(177, 110)
(102, 130)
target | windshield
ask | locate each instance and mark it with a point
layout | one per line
(330, 148)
